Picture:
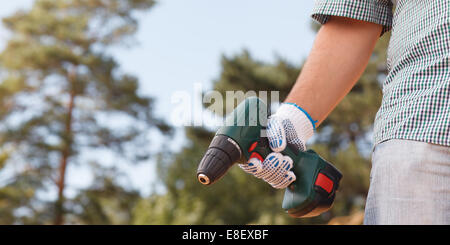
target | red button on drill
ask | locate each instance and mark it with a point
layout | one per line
(324, 182)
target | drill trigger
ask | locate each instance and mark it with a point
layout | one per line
(257, 155)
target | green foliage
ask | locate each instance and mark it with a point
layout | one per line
(243, 73)
(105, 202)
(62, 94)
(344, 139)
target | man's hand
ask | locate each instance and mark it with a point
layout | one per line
(275, 169)
(289, 125)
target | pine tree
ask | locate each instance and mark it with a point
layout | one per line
(62, 95)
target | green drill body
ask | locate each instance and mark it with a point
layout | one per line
(242, 137)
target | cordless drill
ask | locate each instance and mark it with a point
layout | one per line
(242, 138)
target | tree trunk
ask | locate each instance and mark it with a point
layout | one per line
(59, 205)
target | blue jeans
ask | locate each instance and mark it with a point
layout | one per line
(409, 184)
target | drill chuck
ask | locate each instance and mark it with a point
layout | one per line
(222, 153)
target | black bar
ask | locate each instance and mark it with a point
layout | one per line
(226, 234)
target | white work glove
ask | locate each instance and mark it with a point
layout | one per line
(289, 125)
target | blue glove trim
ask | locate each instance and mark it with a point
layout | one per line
(306, 113)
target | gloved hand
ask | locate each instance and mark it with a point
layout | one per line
(290, 124)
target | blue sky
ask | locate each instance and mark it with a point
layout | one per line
(180, 42)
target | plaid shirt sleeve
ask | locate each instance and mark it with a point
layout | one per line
(375, 11)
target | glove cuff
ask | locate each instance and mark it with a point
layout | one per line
(302, 122)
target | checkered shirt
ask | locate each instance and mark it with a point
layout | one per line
(416, 92)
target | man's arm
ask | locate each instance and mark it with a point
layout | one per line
(340, 54)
